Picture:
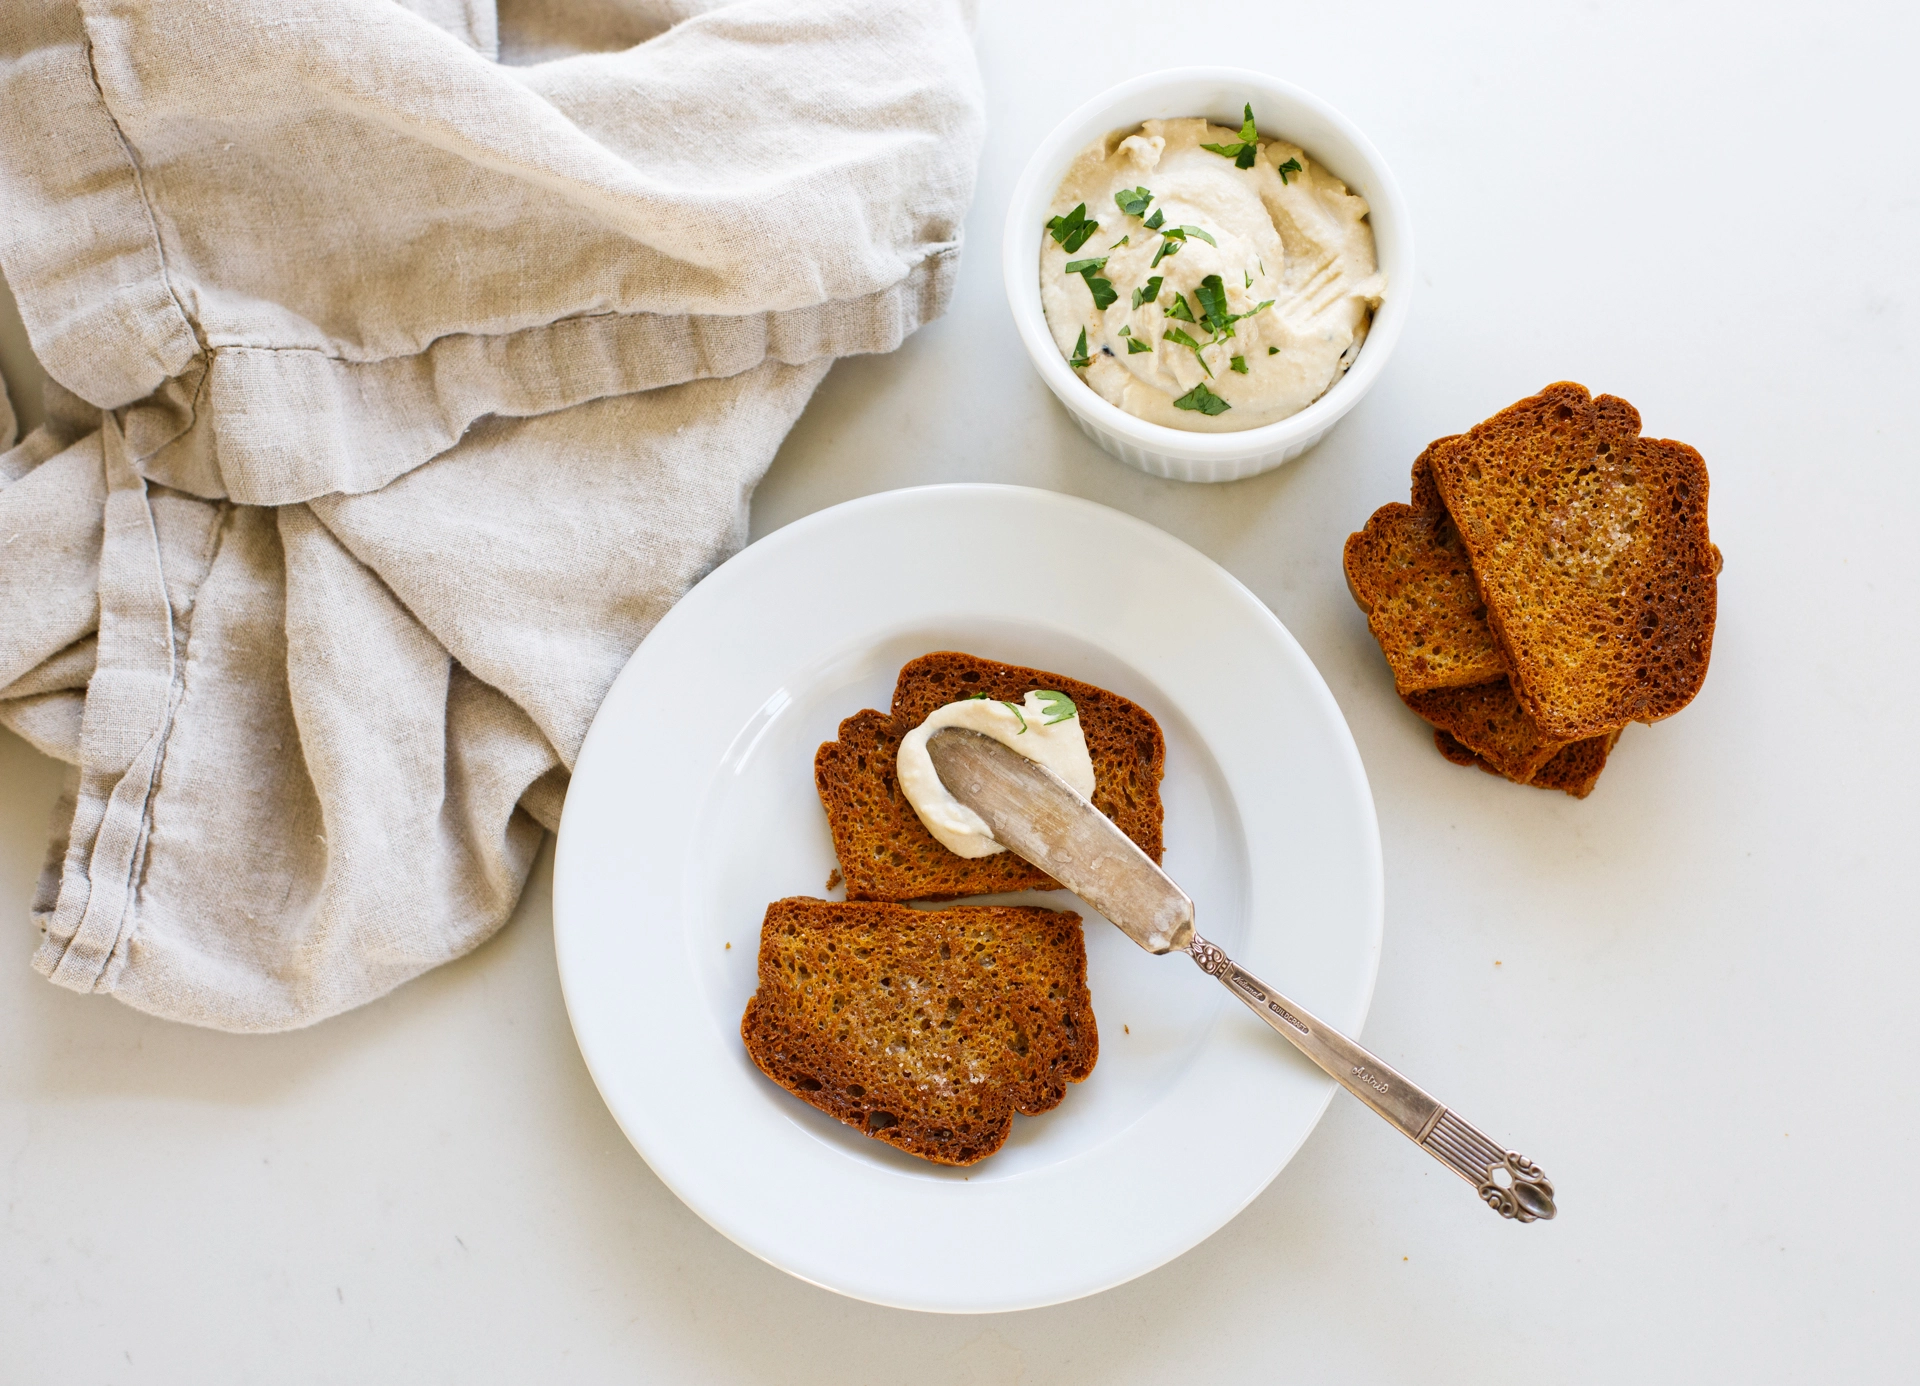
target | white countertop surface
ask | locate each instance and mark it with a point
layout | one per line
(1688, 996)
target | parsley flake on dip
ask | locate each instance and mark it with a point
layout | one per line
(1204, 278)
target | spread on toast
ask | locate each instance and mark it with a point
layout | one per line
(886, 853)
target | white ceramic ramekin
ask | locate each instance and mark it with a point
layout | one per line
(1283, 111)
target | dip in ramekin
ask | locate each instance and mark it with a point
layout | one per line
(1204, 278)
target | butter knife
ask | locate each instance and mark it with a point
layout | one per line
(1034, 814)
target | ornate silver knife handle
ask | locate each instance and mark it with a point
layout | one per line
(1511, 1184)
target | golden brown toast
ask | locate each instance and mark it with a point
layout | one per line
(1575, 768)
(1589, 546)
(886, 853)
(927, 1029)
(1490, 722)
(1410, 575)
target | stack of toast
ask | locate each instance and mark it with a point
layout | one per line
(1550, 580)
(930, 1029)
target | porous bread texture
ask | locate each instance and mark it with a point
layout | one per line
(1578, 765)
(1589, 545)
(1410, 575)
(1444, 742)
(1489, 721)
(1633, 511)
(886, 853)
(926, 1029)
(1575, 768)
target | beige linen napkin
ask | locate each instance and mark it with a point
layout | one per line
(411, 361)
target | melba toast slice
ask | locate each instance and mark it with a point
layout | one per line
(1574, 769)
(1410, 575)
(926, 1029)
(886, 853)
(1490, 722)
(1589, 546)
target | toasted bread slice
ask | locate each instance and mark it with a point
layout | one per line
(927, 1029)
(1575, 768)
(1408, 571)
(1489, 721)
(886, 853)
(1410, 575)
(1589, 544)
(1449, 746)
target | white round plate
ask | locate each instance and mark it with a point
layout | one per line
(693, 807)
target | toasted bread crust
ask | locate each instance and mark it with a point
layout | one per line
(1589, 544)
(1445, 742)
(926, 1029)
(1409, 573)
(1575, 768)
(884, 850)
(1491, 723)
(886, 853)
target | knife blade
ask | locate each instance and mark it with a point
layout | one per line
(1036, 815)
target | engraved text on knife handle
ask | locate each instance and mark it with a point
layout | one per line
(1512, 1185)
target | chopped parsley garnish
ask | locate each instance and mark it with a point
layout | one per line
(1147, 292)
(1178, 336)
(1173, 236)
(1273, 351)
(1249, 278)
(1072, 230)
(1102, 289)
(1202, 399)
(1180, 233)
(1133, 201)
(1058, 706)
(1117, 244)
(1241, 153)
(1211, 295)
(1126, 332)
(1014, 708)
(1079, 357)
(1135, 346)
(1212, 298)
(1290, 166)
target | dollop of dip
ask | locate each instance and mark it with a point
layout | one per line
(1219, 291)
(1043, 727)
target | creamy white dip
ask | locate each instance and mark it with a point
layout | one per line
(1043, 727)
(1289, 236)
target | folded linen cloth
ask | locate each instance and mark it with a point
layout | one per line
(411, 360)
